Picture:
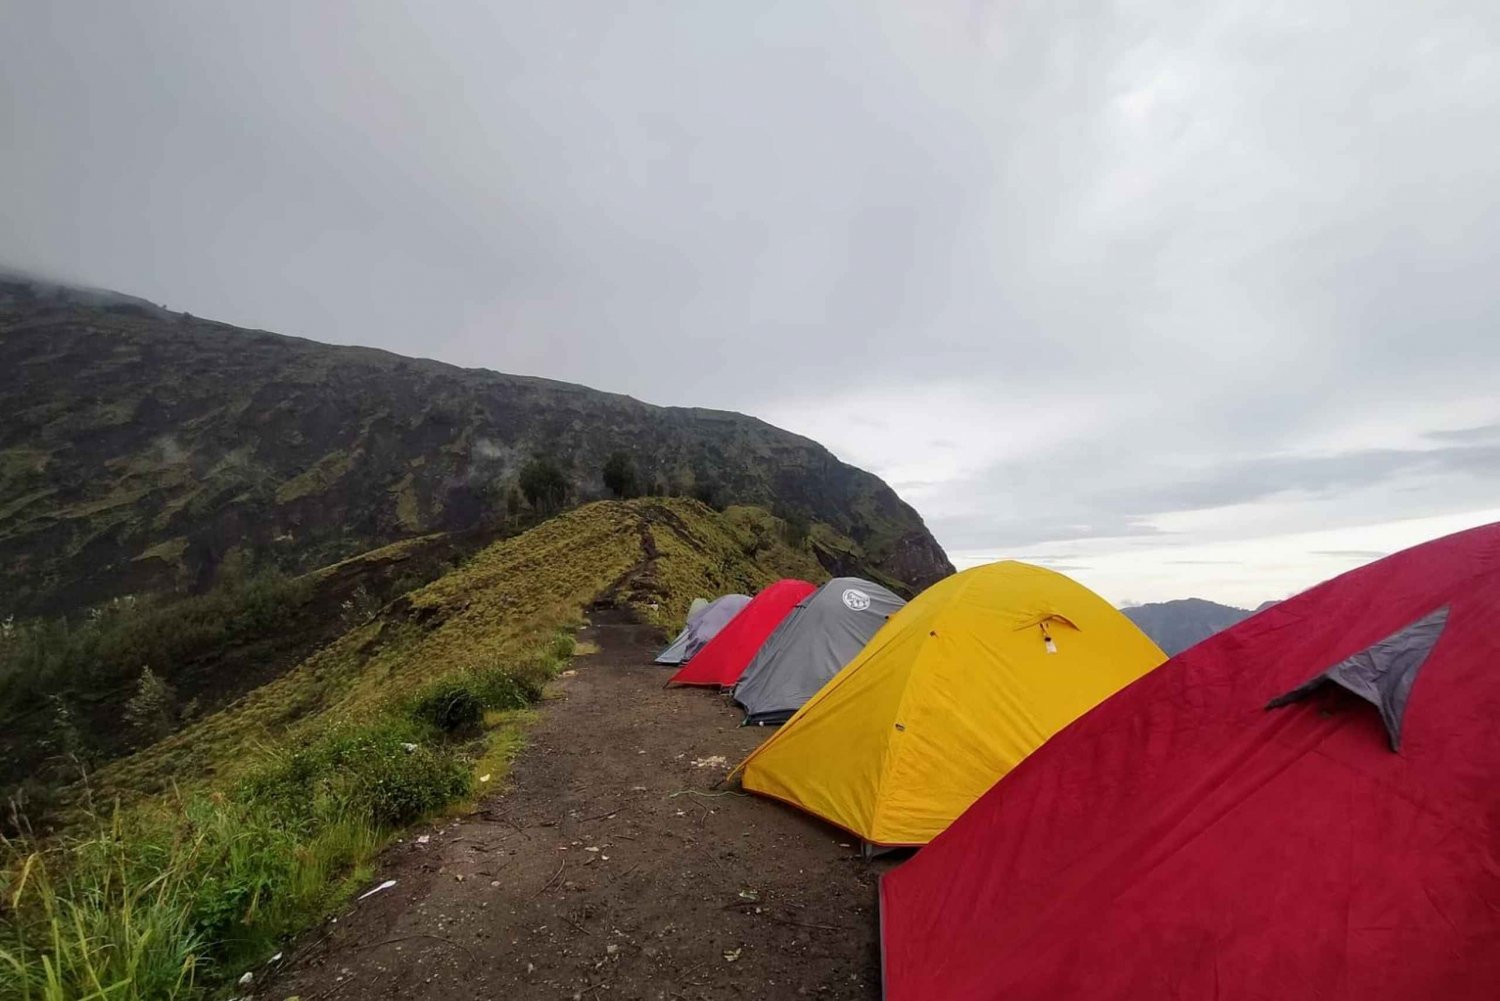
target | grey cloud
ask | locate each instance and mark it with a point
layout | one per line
(1023, 528)
(1238, 229)
(1111, 490)
(1483, 433)
(1255, 479)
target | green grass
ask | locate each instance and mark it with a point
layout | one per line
(222, 840)
(317, 478)
(175, 897)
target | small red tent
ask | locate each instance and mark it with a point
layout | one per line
(724, 658)
(1306, 805)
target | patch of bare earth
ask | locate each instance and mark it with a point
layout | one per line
(612, 868)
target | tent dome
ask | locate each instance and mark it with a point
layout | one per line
(955, 690)
(1302, 806)
(822, 634)
(703, 623)
(723, 658)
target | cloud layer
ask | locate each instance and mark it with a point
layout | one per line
(1141, 274)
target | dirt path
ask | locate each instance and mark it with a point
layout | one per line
(612, 869)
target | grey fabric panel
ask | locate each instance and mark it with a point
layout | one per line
(675, 652)
(719, 613)
(702, 625)
(672, 655)
(1382, 674)
(825, 631)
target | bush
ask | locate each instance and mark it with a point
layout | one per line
(545, 486)
(504, 690)
(382, 772)
(710, 493)
(152, 711)
(620, 476)
(450, 705)
(795, 527)
(458, 704)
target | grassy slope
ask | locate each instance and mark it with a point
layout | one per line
(211, 648)
(247, 825)
(502, 607)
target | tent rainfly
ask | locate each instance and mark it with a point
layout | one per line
(702, 628)
(723, 658)
(673, 654)
(822, 634)
(955, 691)
(1302, 806)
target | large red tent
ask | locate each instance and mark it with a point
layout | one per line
(724, 658)
(1306, 805)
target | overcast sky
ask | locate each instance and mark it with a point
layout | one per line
(1185, 298)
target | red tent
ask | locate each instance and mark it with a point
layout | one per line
(1306, 805)
(724, 658)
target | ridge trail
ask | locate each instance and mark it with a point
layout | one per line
(622, 872)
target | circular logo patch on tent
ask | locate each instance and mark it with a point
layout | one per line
(856, 599)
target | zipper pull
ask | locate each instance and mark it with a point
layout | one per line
(1047, 639)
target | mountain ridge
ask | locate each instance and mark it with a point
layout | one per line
(1183, 622)
(144, 449)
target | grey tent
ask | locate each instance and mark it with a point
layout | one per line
(673, 653)
(816, 639)
(701, 628)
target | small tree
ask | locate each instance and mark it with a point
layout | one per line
(709, 493)
(544, 485)
(620, 477)
(152, 711)
(512, 503)
(67, 739)
(794, 529)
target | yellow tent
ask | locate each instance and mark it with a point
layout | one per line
(951, 694)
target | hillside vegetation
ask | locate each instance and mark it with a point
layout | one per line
(503, 606)
(154, 663)
(251, 821)
(146, 451)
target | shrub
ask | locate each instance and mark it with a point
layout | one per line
(795, 528)
(382, 772)
(152, 711)
(458, 704)
(451, 705)
(620, 476)
(710, 493)
(504, 690)
(545, 486)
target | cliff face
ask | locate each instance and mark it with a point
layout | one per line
(140, 450)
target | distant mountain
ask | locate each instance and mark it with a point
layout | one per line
(142, 449)
(1177, 625)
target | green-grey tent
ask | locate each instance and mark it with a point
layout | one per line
(818, 637)
(703, 624)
